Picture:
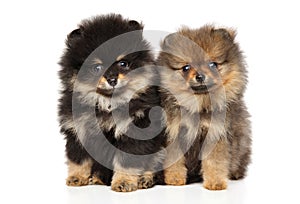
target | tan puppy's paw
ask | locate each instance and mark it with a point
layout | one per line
(215, 185)
(175, 178)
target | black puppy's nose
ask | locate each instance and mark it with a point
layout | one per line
(112, 81)
(200, 78)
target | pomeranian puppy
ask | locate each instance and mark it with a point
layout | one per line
(203, 79)
(104, 110)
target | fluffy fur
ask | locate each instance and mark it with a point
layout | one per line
(203, 79)
(104, 98)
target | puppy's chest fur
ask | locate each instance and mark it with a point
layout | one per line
(194, 125)
(192, 145)
(118, 119)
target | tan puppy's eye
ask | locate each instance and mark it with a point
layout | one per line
(186, 68)
(213, 65)
(123, 64)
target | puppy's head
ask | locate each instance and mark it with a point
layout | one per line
(101, 52)
(120, 74)
(207, 60)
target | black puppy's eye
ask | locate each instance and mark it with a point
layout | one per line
(186, 68)
(97, 68)
(123, 64)
(212, 65)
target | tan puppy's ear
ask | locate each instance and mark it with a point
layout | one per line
(176, 43)
(227, 33)
(168, 41)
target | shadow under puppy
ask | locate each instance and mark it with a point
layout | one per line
(203, 78)
(111, 135)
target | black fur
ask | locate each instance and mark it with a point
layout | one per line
(82, 48)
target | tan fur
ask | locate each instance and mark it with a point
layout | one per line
(95, 180)
(79, 174)
(68, 124)
(176, 174)
(172, 128)
(215, 167)
(97, 61)
(139, 114)
(215, 124)
(146, 180)
(123, 182)
(135, 83)
(72, 81)
(174, 82)
(222, 135)
(122, 126)
(130, 179)
(120, 57)
(191, 75)
(177, 119)
(79, 126)
(101, 81)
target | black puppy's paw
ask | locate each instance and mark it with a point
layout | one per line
(146, 181)
(77, 180)
(124, 186)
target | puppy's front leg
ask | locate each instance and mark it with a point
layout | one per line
(175, 172)
(124, 179)
(215, 167)
(124, 182)
(79, 174)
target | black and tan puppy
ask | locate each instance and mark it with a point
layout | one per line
(203, 79)
(105, 106)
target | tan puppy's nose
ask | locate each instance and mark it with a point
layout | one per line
(200, 78)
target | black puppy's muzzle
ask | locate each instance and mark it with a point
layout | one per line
(112, 81)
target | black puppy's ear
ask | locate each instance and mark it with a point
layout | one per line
(135, 25)
(75, 35)
(225, 33)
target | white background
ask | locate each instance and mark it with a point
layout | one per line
(32, 150)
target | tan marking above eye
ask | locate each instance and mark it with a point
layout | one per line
(97, 61)
(120, 57)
